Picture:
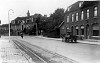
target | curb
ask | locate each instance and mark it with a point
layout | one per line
(79, 41)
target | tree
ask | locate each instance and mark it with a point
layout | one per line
(47, 24)
(58, 16)
(54, 21)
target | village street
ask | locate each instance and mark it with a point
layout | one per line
(80, 52)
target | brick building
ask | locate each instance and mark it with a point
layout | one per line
(83, 19)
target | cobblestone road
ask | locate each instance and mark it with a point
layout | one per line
(10, 54)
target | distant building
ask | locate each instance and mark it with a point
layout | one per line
(83, 19)
(21, 23)
(4, 29)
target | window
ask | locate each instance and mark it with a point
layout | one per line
(69, 8)
(15, 27)
(76, 16)
(67, 29)
(95, 30)
(13, 22)
(18, 21)
(82, 15)
(87, 13)
(27, 20)
(72, 17)
(67, 18)
(22, 27)
(5, 28)
(77, 31)
(23, 21)
(32, 19)
(80, 4)
(95, 11)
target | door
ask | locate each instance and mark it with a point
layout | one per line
(87, 31)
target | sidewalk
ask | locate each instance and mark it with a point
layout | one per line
(88, 41)
(10, 54)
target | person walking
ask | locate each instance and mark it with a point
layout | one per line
(22, 35)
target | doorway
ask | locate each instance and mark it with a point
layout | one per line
(72, 30)
(87, 31)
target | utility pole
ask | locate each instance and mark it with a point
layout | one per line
(0, 28)
(36, 29)
(9, 22)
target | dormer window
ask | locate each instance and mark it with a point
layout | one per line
(69, 8)
(80, 4)
(13, 22)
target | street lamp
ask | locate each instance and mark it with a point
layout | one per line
(9, 21)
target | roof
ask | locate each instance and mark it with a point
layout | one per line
(5, 25)
(84, 4)
(89, 3)
(73, 7)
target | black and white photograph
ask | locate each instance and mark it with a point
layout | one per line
(49, 31)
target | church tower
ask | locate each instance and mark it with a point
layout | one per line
(28, 13)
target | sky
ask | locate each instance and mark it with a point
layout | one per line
(21, 7)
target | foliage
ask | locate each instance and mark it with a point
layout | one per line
(55, 19)
(47, 24)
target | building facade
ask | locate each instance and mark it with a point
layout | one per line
(83, 19)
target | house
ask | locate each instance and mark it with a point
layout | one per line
(21, 23)
(83, 19)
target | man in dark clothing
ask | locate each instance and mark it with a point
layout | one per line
(22, 35)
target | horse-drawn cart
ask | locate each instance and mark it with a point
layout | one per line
(69, 37)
